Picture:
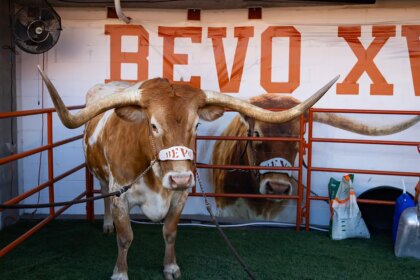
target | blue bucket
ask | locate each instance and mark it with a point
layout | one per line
(403, 201)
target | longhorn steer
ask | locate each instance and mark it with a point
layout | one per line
(125, 131)
(268, 153)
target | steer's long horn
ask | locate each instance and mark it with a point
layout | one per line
(360, 128)
(216, 98)
(126, 98)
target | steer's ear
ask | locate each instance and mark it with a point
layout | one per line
(131, 113)
(211, 112)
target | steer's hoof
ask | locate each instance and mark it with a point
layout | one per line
(108, 228)
(171, 272)
(119, 276)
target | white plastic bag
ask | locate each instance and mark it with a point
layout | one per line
(347, 221)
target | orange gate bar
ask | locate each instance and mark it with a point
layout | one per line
(51, 178)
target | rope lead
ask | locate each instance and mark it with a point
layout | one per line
(225, 238)
(64, 203)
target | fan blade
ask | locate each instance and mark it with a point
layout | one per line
(30, 43)
(47, 15)
(46, 45)
(33, 12)
(21, 31)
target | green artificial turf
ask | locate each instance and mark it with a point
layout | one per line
(67, 249)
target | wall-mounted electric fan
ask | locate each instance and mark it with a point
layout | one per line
(36, 27)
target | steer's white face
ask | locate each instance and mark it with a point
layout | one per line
(173, 136)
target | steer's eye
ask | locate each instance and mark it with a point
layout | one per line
(154, 128)
(256, 134)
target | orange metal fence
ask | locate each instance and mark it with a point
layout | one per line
(311, 168)
(300, 213)
(52, 178)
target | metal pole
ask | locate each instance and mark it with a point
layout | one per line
(300, 186)
(50, 161)
(309, 164)
(89, 193)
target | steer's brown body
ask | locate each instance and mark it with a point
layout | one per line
(120, 144)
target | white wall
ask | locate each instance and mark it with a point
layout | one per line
(81, 59)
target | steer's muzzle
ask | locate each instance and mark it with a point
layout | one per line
(277, 188)
(178, 180)
(277, 184)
